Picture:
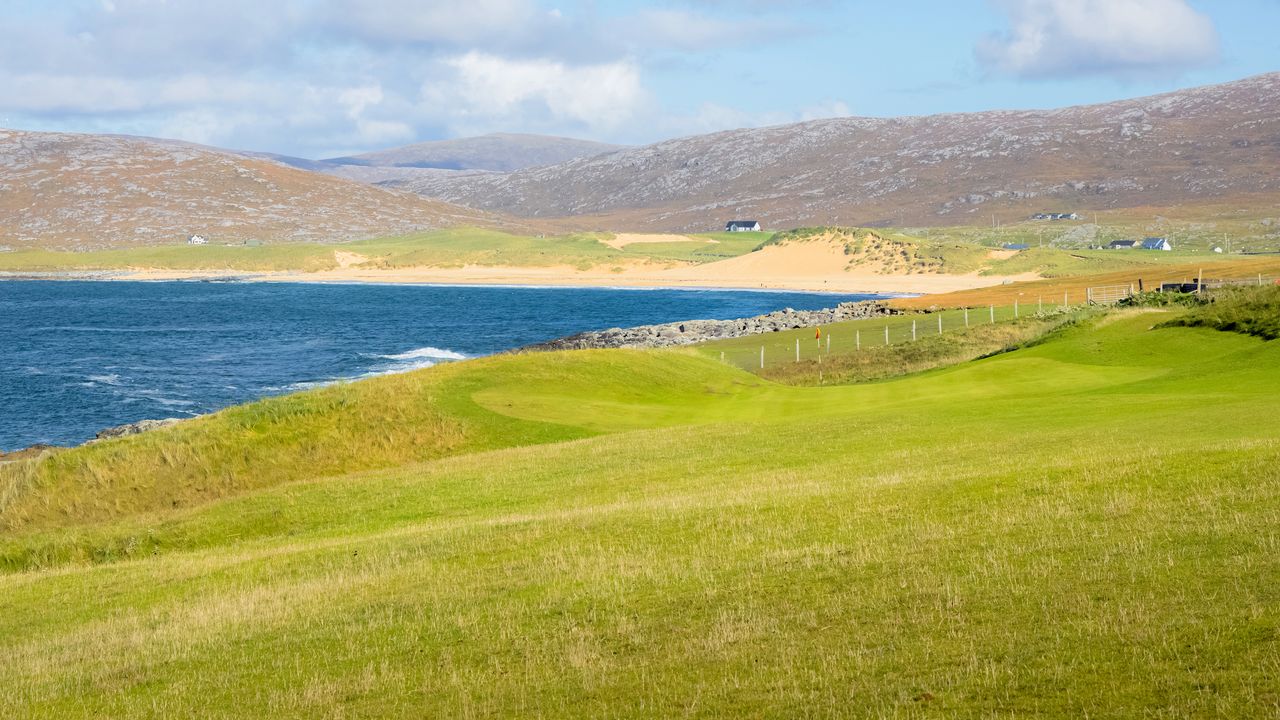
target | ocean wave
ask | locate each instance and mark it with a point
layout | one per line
(426, 352)
(111, 379)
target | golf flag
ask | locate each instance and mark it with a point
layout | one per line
(817, 334)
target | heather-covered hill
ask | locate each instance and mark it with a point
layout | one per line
(71, 191)
(1213, 143)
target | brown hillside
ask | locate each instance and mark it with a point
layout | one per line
(1207, 144)
(70, 191)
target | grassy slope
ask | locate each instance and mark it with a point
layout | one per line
(1013, 535)
(437, 248)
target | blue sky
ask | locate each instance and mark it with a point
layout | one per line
(317, 78)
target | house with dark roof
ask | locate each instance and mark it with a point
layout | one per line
(742, 226)
(1156, 244)
(1123, 244)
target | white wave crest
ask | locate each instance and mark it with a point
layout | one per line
(426, 352)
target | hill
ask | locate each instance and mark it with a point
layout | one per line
(560, 534)
(71, 191)
(499, 152)
(1211, 144)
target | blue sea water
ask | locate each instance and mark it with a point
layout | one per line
(76, 357)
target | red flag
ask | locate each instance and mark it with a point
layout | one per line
(817, 335)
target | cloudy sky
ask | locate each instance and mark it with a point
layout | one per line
(317, 78)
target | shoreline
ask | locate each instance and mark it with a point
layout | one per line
(558, 277)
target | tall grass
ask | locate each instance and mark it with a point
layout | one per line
(1251, 311)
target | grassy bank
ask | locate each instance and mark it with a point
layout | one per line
(653, 534)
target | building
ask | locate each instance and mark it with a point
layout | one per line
(197, 240)
(742, 226)
(1016, 246)
(1156, 244)
(1123, 244)
(1055, 216)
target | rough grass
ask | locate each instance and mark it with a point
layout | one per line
(1006, 537)
(878, 362)
(1252, 311)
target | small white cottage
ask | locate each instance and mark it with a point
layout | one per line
(197, 240)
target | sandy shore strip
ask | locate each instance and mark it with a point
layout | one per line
(630, 277)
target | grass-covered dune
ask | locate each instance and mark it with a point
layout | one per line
(1088, 526)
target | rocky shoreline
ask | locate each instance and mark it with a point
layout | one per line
(125, 430)
(695, 331)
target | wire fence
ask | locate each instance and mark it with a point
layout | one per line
(758, 352)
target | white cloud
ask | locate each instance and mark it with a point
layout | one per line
(1061, 38)
(487, 91)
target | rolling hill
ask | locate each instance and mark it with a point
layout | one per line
(659, 534)
(76, 192)
(1217, 143)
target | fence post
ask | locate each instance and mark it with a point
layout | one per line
(1064, 300)
(1015, 308)
(828, 343)
(939, 323)
(1088, 296)
(966, 317)
(761, 357)
(913, 330)
(886, 335)
(1259, 279)
(857, 340)
(797, 349)
(993, 313)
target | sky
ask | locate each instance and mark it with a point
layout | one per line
(322, 78)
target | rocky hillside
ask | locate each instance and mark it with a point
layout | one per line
(68, 191)
(1206, 144)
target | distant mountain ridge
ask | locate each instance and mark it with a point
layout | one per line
(497, 152)
(1209, 143)
(75, 191)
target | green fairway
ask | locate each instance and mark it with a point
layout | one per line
(1084, 527)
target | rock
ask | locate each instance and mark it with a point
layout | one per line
(134, 428)
(694, 331)
(26, 453)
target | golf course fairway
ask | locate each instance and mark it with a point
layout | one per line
(1088, 526)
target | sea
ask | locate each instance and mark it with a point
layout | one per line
(80, 356)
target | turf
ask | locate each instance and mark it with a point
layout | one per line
(1084, 527)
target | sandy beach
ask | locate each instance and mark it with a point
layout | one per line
(817, 267)
(679, 277)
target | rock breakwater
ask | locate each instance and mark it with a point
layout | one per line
(694, 331)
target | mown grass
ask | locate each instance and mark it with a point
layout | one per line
(1003, 537)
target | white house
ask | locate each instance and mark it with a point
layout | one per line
(197, 240)
(742, 226)
(1156, 244)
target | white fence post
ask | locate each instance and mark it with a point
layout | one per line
(761, 357)
(966, 317)
(1015, 307)
(886, 334)
(797, 349)
(828, 343)
(993, 313)
(913, 330)
(939, 323)
(857, 340)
